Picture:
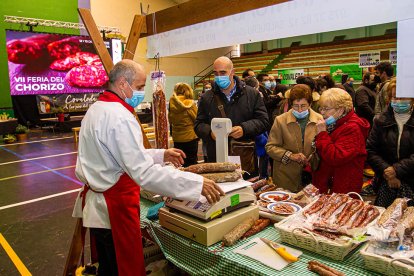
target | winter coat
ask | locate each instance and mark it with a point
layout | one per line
(181, 116)
(365, 103)
(271, 101)
(286, 135)
(351, 91)
(382, 153)
(342, 154)
(245, 109)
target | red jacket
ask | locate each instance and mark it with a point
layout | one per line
(342, 154)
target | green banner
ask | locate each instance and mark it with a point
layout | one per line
(352, 70)
(289, 76)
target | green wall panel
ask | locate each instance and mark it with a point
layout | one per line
(63, 10)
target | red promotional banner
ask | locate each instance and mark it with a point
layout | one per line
(53, 64)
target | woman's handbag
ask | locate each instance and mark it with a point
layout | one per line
(314, 158)
(246, 151)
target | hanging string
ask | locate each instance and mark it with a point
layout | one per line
(154, 29)
(157, 63)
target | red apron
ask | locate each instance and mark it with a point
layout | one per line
(122, 201)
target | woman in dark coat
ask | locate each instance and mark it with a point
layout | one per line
(390, 149)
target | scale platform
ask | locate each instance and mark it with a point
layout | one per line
(206, 233)
(240, 197)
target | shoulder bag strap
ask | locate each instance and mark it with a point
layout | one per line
(220, 105)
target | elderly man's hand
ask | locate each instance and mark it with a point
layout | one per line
(236, 132)
(211, 191)
(174, 156)
(320, 126)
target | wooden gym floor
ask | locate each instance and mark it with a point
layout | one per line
(38, 188)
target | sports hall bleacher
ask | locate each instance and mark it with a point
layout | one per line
(314, 59)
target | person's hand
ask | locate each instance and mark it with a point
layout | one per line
(280, 95)
(211, 191)
(236, 132)
(320, 126)
(389, 173)
(213, 136)
(394, 183)
(174, 156)
(299, 158)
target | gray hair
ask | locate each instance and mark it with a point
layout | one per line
(124, 68)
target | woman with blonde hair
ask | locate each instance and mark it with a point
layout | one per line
(390, 149)
(182, 114)
(340, 144)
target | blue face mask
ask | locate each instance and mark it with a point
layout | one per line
(300, 115)
(137, 97)
(267, 84)
(222, 81)
(401, 106)
(273, 84)
(330, 120)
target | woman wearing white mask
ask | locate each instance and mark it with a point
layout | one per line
(340, 144)
(291, 137)
(390, 149)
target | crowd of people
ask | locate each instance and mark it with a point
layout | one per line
(316, 131)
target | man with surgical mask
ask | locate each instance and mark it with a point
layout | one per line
(270, 100)
(242, 104)
(113, 164)
(272, 83)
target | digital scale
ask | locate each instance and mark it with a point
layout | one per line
(206, 233)
(207, 223)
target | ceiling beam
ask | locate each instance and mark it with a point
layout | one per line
(197, 11)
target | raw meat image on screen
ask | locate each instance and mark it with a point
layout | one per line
(87, 76)
(31, 49)
(64, 47)
(80, 58)
(53, 64)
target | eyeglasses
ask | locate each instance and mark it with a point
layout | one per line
(324, 109)
(302, 106)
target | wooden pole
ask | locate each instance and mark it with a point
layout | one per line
(134, 34)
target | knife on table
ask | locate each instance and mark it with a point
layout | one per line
(280, 250)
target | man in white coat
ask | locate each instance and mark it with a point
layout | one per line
(113, 164)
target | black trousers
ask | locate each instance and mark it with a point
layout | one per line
(106, 251)
(190, 149)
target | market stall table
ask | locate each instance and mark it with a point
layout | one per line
(65, 126)
(214, 260)
(8, 126)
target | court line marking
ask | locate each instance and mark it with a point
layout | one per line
(38, 199)
(33, 173)
(13, 257)
(46, 167)
(37, 158)
(37, 141)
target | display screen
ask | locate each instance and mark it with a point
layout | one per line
(41, 64)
